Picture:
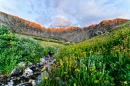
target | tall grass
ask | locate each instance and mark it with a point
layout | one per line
(101, 61)
(16, 48)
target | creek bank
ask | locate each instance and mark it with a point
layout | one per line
(30, 75)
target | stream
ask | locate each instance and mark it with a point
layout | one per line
(31, 75)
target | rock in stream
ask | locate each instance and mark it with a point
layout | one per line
(31, 75)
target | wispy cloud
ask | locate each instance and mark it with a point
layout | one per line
(60, 21)
(66, 12)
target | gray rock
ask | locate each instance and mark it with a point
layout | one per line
(32, 82)
(48, 56)
(52, 61)
(41, 64)
(33, 75)
(22, 64)
(11, 83)
(41, 77)
(3, 78)
(27, 73)
(15, 72)
(34, 68)
(57, 79)
(18, 78)
(1, 84)
(24, 84)
(42, 60)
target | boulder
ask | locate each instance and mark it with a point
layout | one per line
(15, 72)
(27, 72)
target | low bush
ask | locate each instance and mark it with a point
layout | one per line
(16, 48)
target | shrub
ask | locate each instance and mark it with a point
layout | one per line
(15, 48)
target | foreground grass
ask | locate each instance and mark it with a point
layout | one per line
(16, 48)
(100, 61)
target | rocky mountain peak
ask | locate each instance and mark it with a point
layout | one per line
(92, 25)
(112, 22)
(71, 34)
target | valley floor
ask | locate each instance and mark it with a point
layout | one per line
(100, 61)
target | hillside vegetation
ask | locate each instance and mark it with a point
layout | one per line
(101, 61)
(15, 48)
(46, 41)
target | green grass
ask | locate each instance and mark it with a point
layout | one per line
(45, 43)
(15, 48)
(49, 40)
(101, 61)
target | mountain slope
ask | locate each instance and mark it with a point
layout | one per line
(72, 34)
(101, 61)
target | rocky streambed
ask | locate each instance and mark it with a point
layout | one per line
(30, 75)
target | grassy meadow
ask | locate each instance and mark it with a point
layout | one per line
(15, 48)
(101, 61)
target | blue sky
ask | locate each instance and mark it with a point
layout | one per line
(62, 13)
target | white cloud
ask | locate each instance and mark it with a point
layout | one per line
(60, 21)
(72, 12)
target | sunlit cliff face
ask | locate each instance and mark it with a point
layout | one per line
(71, 34)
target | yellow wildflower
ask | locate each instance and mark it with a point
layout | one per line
(46, 77)
(77, 70)
(65, 72)
(66, 59)
(71, 62)
(83, 65)
(125, 82)
(44, 68)
(61, 62)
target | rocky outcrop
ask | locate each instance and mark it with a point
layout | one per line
(71, 34)
(31, 74)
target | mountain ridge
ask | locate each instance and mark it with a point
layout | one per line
(71, 34)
